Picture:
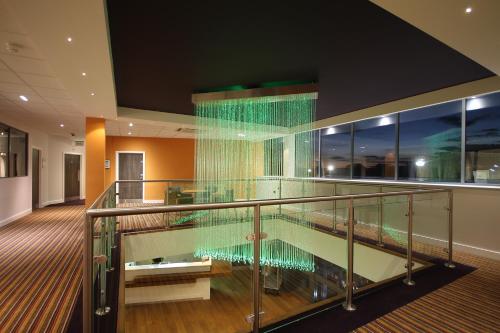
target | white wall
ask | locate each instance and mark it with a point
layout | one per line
(15, 193)
(58, 146)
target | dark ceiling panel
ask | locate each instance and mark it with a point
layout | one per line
(359, 54)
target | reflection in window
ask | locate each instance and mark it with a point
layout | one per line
(482, 139)
(336, 151)
(307, 154)
(4, 150)
(17, 156)
(374, 147)
(430, 143)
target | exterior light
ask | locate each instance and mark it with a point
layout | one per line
(492, 170)
(309, 170)
(495, 165)
(384, 121)
(23, 98)
(330, 167)
(420, 162)
(331, 130)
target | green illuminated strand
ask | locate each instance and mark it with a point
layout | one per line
(238, 142)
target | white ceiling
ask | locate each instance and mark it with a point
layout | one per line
(48, 69)
(475, 34)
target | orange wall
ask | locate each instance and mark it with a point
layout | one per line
(95, 148)
(164, 158)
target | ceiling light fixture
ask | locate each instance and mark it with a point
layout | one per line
(420, 162)
(130, 125)
(468, 10)
(69, 39)
(92, 94)
(129, 133)
(23, 98)
(61, 125)
(84, 74)
(330, 167)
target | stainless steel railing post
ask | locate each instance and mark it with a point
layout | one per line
(450, 263)
(334, 227)
(256, 269)
(409, 251)
(348, 305)
(380, 240)
(102, 261)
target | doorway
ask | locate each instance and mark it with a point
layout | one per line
(71, 177)
(130, 166)
(35, 179)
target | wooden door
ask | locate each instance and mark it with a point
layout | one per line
(130, 167)
(71, 177)
(35, 179)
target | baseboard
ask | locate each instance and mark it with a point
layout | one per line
(15, 217)
(52, 202)
(152, 201)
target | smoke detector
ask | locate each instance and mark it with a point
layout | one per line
(13, 47)
(187, 130)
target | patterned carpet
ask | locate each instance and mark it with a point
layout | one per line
(470, 304)
(40, 270)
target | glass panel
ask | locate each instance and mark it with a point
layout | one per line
(302, 262)
(307, 143)
(482, 147)
(430, 143)
(374, 147)
(336, 152)
(17, 156)
(4, 150)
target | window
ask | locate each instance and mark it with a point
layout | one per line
(4, 150)
(307, 154)
(13, 152)
(374, 147)
(430, 143)
(336, 151)
(482, 139)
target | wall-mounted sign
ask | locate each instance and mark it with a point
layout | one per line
(107, 164)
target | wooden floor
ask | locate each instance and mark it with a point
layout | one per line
(41, 270)
(225, 312)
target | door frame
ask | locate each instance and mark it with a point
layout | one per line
(64, 174)
(40, 166)
(117, 167)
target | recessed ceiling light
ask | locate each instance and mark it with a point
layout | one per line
(23, 98)
(61, 125)
(130, 124)
(468, 10)
(92, 94)
(129, 133)
(84, 74)
(69, 39)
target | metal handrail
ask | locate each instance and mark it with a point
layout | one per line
(94, 213)
(105, 212)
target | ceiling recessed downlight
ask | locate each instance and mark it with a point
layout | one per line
(61, 125)
(84, 74)
(130, 124)
(92, 94)
(69, 39)
(23, 98)
(129, 133)
(468, 10)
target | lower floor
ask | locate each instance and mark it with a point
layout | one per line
(41, 276)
